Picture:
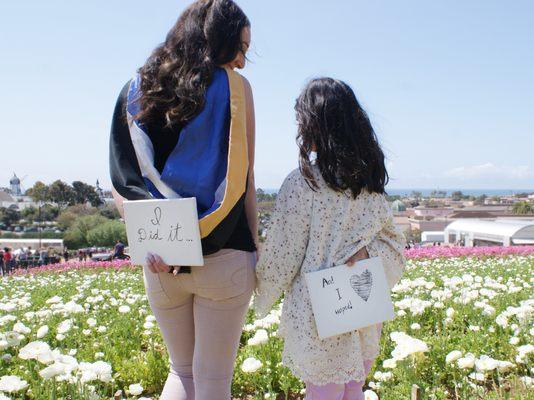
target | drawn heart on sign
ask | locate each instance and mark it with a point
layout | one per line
(362, 284)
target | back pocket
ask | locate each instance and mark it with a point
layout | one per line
(223, 277)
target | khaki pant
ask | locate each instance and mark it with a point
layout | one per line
(201, 316)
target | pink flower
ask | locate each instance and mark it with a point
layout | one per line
(487, 251)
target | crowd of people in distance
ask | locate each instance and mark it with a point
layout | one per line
(27, 257)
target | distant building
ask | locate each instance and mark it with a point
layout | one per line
(432, 236)
(480, 232)
(433, 211)
(6, 200)
(14, 184)
(99, 191)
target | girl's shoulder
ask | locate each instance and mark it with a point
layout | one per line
(294, 181)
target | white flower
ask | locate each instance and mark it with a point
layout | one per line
(477, 376)
(101, 329)
(64, 326)
(466, 362)
(415, 326)
(453, 356)
(501, 320)
(21, 328)
(382, 376)
(12, 383)
(260, 337)
(514, 340)
(486, 363)
(505, 366)
(91, 322)
(135, 389)
(148, 325)
(390, 363)
(251, 365)
(53, 370)
(370, 395)
(406, 345)
(42, 331)
(527, 381)
(124, 309)
(450, 312)
(99, 370)
(37, 351)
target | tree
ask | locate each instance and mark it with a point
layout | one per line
(107, 234)
(523, 207)
(38, 192)
(480, 200)
(76, 235)
(457, 195)
(9, 216)
(61, 193)
(416, 195)
(110, 211)
(68, 216)
(84, 193)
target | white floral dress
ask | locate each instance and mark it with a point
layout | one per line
(311, 230)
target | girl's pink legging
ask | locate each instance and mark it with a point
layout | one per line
(332, 391)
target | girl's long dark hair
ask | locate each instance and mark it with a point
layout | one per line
(349, 157)
(175, 77)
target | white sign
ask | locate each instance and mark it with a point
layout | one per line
(167, 227)
(347, 298)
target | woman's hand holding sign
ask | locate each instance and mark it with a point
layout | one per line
(156, 264)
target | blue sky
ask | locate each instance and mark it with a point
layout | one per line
(448, 85)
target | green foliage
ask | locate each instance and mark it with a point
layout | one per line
(31, 235)
(84, 193)
(61, 193)
(76, 236)
(107, 234)
(68, 216)
(9, 216)
(261, 196)
(109, 210)
(38, 192)
(523, 207)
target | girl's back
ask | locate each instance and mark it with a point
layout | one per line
(326, 212)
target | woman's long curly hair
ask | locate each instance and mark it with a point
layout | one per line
(175, 77)
(331, 121)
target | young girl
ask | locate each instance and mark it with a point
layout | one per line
(330, 211)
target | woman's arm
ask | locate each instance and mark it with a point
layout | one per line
(251, 206)
(119, 200)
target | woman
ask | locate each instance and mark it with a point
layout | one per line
(184, 127)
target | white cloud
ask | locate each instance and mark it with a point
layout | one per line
(490, 171)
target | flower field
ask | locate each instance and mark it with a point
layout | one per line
(463, 330)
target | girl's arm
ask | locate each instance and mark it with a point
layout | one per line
(287, 240)
(251, 206)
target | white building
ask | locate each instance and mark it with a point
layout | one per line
(432, 236)
(479, 232)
